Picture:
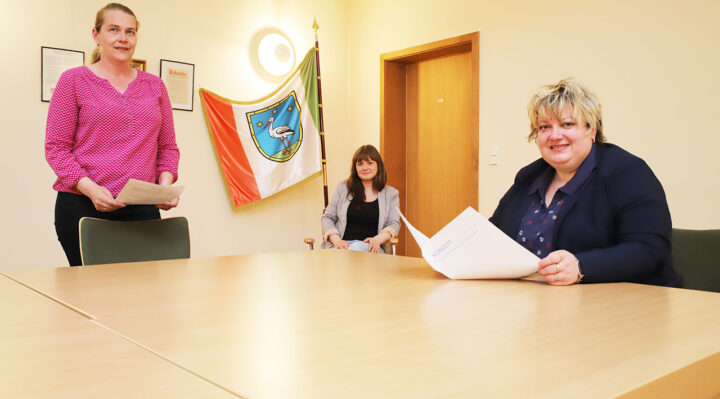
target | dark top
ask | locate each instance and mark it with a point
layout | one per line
(362, 220)
(617, 223)
(535, 230)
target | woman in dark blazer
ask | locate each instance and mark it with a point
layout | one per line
(590, 210)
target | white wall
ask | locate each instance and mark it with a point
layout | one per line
(653, 64)
(213, 35)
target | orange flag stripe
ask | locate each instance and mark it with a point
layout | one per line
(238, 174)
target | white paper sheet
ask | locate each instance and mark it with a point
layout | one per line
(137, 192)
(470, 247)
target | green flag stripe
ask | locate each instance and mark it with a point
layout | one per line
(308, 73)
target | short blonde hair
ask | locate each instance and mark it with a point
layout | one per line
(550, 100)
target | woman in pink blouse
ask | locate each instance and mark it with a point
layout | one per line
(108, 123)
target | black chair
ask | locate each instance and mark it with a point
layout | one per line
(108, 241)
(696, 257)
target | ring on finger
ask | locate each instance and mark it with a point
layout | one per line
(558, 268)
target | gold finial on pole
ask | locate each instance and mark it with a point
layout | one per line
(316, 27)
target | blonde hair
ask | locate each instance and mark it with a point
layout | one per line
(100, 20)
(550, 100)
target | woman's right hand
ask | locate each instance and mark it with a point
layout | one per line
(100, 196)
(338, 242)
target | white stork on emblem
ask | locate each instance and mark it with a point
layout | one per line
(280, 132)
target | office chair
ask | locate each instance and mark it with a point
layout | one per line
(109, 241)
(695, 257)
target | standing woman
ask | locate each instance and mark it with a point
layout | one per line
(363, 213)
(108, 123)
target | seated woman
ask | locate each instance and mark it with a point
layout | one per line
(590, 210)
(362, 215)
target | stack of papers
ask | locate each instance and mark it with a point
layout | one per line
(470, 247)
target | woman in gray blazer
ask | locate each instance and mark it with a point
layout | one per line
(363, 213)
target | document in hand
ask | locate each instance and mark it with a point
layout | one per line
(137, 192)
(470, 247)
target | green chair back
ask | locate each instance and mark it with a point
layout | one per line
(695, 257)
(109, 241)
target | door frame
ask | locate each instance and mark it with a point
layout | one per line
(393, 107)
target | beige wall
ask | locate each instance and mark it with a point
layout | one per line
(215, 36)
(654, 65)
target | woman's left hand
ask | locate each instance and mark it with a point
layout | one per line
(166, 179)
(169, 205)
(375, 243)
(559, 268)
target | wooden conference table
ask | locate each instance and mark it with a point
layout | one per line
(50, 351)
(337, 324)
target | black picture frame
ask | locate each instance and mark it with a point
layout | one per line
(53, 62)
(179, 79)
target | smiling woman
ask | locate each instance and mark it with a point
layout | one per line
(363, 213)
(119, 18)
(108, 123)
(591, 211)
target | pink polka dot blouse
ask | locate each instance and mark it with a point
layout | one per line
(93, 130)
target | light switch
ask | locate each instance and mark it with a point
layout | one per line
(494, 155)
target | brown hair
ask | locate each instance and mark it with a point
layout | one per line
(100, 19)
(354, 184)
(550, 100)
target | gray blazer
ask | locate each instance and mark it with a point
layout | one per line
(334, 220)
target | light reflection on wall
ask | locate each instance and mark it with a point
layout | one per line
(272, 55)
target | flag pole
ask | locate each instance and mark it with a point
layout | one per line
(320, 109)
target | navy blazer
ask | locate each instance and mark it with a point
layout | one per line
(617, 223)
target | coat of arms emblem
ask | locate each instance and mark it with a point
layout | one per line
(276, 129)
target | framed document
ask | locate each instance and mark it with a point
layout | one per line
(179, 78)
(138, 64)
(53, 62)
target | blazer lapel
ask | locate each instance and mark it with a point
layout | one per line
(342, 213)
(382, 215)
(571, 201)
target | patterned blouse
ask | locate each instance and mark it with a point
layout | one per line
(93, 130)
(536, 228)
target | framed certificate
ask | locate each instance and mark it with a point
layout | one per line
(179, 78)
(53, 62)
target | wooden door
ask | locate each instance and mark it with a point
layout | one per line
(429, 132)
